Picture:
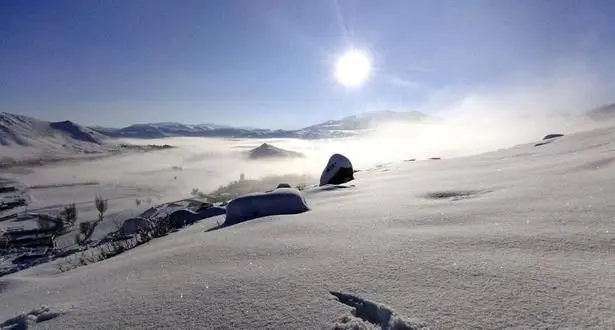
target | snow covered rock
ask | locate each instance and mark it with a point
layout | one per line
(181, 218)
(133, 225)
(277, 202)
(338, 170)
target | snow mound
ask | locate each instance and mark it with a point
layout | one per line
(133, 225)
(185, 217)
(368, 314)
(277, 202)
(31, 318)
(266, 151)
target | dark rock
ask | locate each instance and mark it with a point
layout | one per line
(338, 170)
(552, 136)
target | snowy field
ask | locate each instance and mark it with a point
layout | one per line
(521, 237)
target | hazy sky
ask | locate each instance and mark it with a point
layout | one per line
(269, 63)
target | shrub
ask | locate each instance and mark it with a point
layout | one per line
(101, 206)
(4, 241)
(69, 214)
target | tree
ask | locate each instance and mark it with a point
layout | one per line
(5, 242)
(70, 214)
(101, 206)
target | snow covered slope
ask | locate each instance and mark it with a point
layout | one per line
(518, 238)
(23, 137)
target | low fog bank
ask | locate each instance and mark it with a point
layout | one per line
(462, 136)
(207, 164)
(521, 108)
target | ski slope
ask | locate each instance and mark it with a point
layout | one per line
(516, 238)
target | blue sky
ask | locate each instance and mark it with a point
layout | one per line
(269, 63)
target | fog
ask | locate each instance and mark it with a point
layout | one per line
(462, 122)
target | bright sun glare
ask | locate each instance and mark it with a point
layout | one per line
(352, 69)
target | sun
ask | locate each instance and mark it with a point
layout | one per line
(353, 69)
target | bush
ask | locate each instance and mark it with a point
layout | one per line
(238, 188)
(116, 246)
(197, 193)
(101, 206)
(4, 241)
(69, 214)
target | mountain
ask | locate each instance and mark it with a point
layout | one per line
(352, 125)
(344, 127)
(167, 129)
(368, 120)
(29, 132)
(22, 137)
(268, 151)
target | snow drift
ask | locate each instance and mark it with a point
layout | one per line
(278, 202)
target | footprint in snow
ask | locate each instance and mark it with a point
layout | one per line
(455, 195)
(26, 320)
(368, 314)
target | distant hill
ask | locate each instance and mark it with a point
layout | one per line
(268, 151)
(344, 127)
(352, 125)
(31, 132)
(30, 141)
(23, 137)
(606, 112)
(162, 130)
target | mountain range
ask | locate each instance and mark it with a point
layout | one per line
(344, 127)
(21, 135)
(25, 139)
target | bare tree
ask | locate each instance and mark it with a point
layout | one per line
(101, 206)
(4, 241)
(70, 214)
(44, 223)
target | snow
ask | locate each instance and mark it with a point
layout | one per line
(521, 237)
(257, 205)
(24, 320)
(25, 138)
